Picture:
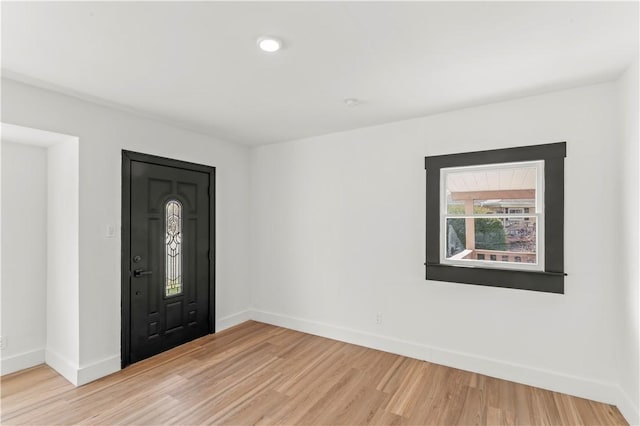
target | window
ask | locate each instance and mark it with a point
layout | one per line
(478, 214)
(496, 217)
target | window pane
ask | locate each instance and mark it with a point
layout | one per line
(456, 237)
(495, 239)
(492, 190)
(173, 248)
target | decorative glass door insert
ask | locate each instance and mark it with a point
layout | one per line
(173, 248)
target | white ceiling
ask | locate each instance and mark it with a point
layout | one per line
(196, 65)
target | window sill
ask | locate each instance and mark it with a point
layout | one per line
(550, 282)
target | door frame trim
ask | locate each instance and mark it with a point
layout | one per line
(125, 307)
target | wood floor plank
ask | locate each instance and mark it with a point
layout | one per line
(256, 373)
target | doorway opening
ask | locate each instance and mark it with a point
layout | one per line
(40, 256)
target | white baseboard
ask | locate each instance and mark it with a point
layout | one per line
(99, 369)
(112, 364)
(343, 334)
(79, 376)
(231, 320)
(629, 409)
(546, 379)
(551, 380)
(14, 363)
(66, 368)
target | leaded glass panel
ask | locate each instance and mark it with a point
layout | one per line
(173, 248)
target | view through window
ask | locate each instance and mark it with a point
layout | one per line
(492, 215)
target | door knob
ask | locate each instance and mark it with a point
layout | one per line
(141, 272)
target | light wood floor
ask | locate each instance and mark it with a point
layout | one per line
(260, 374)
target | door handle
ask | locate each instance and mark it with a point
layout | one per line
(140, 272)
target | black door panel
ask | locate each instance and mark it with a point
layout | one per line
(168, 258)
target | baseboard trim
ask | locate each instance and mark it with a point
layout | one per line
(98, 369)
(629, 409)
(545, 379)
(102, 368)
(551, 380)
(79, 376)
(233, 319)
(66, 368)
(18, 362)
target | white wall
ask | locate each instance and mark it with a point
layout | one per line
(338, 227)
(629, 233)
(103, 132)
(63, 310)
(24, 255)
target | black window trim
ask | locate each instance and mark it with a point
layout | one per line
(550, 280)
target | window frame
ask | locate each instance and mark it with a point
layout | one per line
(538, 214)
(551, 279)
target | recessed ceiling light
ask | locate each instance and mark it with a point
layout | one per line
(352, 102)
(269, 44)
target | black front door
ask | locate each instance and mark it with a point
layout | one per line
(169, 258)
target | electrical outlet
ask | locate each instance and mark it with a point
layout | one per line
(379, 318)
(3, 342)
